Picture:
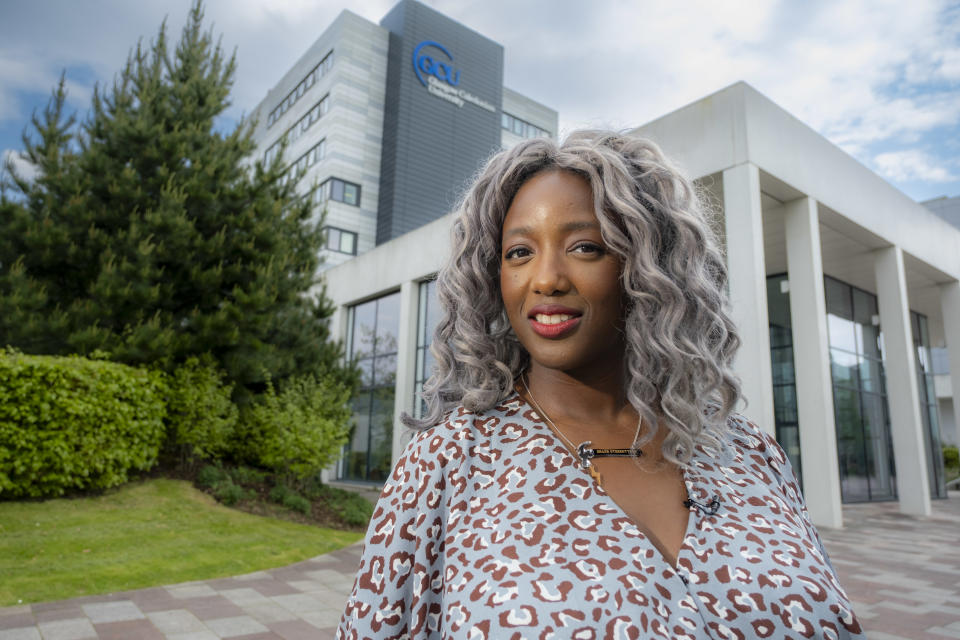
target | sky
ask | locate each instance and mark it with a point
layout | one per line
(878, 78)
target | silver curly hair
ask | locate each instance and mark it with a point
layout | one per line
(680, 340)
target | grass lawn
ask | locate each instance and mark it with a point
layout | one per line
(144, 534)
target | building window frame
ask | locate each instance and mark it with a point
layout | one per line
(306, 83)
(340, 240)
(520, 127)
(300, 127)
(339, 190)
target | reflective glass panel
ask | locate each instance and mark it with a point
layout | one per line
(364, 325)
(388, 323)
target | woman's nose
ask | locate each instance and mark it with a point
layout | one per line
(550, 278)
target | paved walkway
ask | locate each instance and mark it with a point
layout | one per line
(902, 573)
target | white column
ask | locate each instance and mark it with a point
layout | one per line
(950, 305)
(748, 290)
(338, 332)
(811, 357)
(902, 394)
(406, 362)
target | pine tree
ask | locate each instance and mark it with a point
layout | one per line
(150, 235)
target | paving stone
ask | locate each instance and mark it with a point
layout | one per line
(112, 611)
(63, 613)
(15, 610)
(141, 629)
(191, 591)
(298, 603)
(244, 596)
(194, 635)
(237, 626)
(269, 611)
(208, 608)
(176, 621)
(294, 630)
(20, 633)
(16, 621)
(272, 587)
(71, 629)
(323, 618)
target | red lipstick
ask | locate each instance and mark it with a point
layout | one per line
(554, 330)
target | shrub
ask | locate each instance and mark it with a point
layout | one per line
(282, 494)
(297, 503)
(228, 493)
(951, 456)
(246, 475)
(279, 493)
(298, 431)
(350, 507)
(69, 423)
(355, 510)
(201, 416)
(211, 475)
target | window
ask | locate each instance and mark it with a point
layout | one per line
(307, 160)
(372, 330)
(339, 191)
(298, 129)
(302, 87)
(784, 383)
(521, 128)
(929, 414)
(341, 240)
(864, 446)
(427, 319)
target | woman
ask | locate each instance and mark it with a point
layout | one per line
(580, 473)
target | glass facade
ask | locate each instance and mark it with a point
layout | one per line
(864, 446)
(427, 318)
(928, 404)
(784, 382)
(372, 329)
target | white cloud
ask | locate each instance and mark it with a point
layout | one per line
(868, 74)
(907, 165)
(22, 167)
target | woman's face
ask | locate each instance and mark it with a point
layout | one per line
(560, 286)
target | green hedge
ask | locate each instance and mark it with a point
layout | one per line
(68, 423)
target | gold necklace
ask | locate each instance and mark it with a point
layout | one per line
(583, 451)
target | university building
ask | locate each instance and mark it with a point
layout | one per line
(845, 290)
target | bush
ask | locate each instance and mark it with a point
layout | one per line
(951, 456)
(279, 493)
(68, 423)
(201, 416)
(355, 510)
(210, 476)
(229, 493)
(282, 494)
(248, 476)
(297, 503)
(298, 431)
(350, 507)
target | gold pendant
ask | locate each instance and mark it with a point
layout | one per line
(595, 475)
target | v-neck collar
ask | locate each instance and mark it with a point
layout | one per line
(690, 475)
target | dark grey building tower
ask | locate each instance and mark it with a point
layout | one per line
(442, 116)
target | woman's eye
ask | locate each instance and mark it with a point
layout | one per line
(588, 247)
(517, 252)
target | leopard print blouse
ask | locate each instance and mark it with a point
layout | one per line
(489, 528)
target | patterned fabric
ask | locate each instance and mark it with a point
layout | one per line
(489, 528)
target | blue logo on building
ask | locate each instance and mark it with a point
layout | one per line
(424, 64)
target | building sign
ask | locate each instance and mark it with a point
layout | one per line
(440, 77)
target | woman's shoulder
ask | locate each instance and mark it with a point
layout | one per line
(747, 435)
(461, 423)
